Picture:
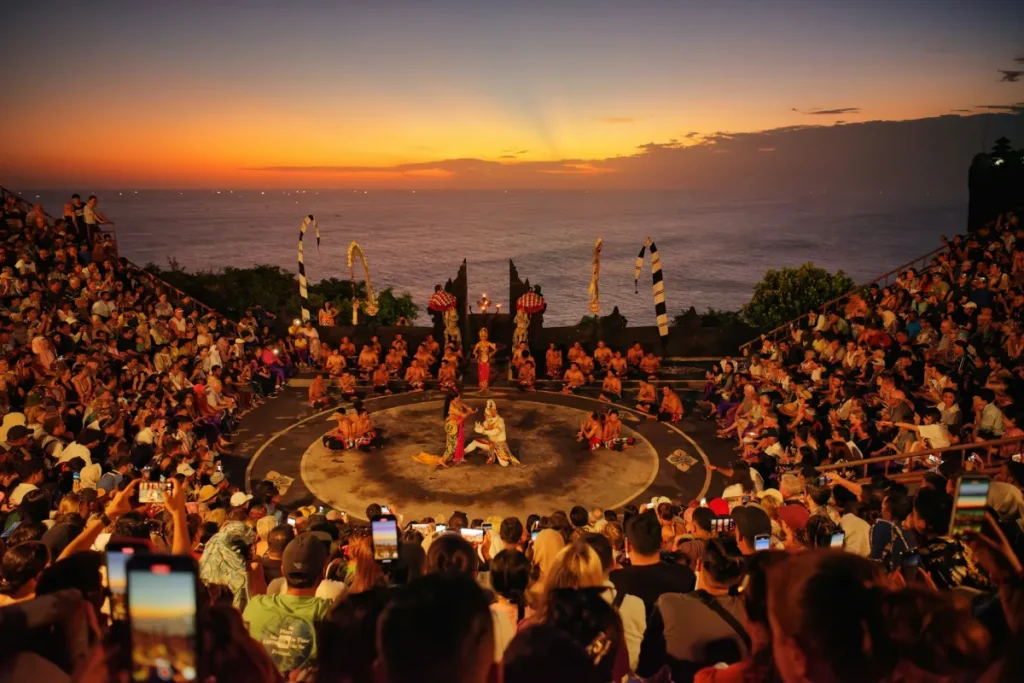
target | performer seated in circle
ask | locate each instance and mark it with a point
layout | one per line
(647, 397)
(634, 356)
(365, 436)
(602, 355)
(424, 356)
(553, 361)
(399, 344)
(591, 432)
(339, 438)
(574, 380)
(416, 376)
(368, 362)
(493, 438)
(612, 435)
(347, 383)
(576, 352)
(446, 377)
(611, 389)
(454, 451)
(650, 364)
(318, 393)
(381, 377)
(671, 409)
(375, 346)
(347, 349)
(527, 374)
(517, 355)
(394, 361)
(431, 345)
(618, 364)
(586, 366)
(335, 363)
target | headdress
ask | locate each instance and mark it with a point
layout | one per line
(492, 407)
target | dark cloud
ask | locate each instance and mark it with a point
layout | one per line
(1010, 76)
(507, 156)
(618, 119)
(1019, 59)
(963, 111)
(828, 112)
(1010, 108)
(691, 135)
(522, 151)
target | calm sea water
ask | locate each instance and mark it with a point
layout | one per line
(713, 248)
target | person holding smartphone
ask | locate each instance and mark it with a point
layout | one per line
(949, 562)
(286, 623)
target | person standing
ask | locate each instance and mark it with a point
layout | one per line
(93, 217)
(648, 577)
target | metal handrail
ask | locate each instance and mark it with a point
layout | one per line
(984, 447)
(774, 334)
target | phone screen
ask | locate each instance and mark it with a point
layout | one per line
(823, 480)
(385, 539)
(151, 492)
(291, 521)
(162, 615)
(534, 535)
(762, 542)
(440, 528)
(473, 535)
(487, 526)
(969, 509)
(837, 539)
(385, 509)
(117, 556)
(422, 528)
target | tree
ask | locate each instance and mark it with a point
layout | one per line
(783, 295)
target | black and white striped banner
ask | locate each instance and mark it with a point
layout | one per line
(303, 293)
(658, 286)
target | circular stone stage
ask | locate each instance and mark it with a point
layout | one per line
(557, 471)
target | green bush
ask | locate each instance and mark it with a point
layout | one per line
(783, 295)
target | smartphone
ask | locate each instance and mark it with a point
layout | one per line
(385, 509)
(220, 467)
(385, 539)
(320, 509)
(116, 556)
(440, 528)
(911, 563)
(722, 524)
(473, 535)
(163, 597)
(152, 491)
(76, 482)
(533, 535)
(838, 538)
(291, 521)
(762, 542)
(823, 480)
(422, 528)
(703, 502)
(10, 529)
(969, 504)
(487, 526)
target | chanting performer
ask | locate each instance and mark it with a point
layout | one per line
(493, 438)
(650, 364)
(368, 361)
(335, 363)
(317, 392)
(527, 375)
(365, 436)
(483, 351)
(635, 355)
(416, 376)
(381, 377)
(612, 436)
(574, 380)
(618, 364)
(611, 389)
(347, 382)
(671, 409)
(553, 360)
(394, 360)
(647, 397)
(446, 376)
(602, 355)
(339, 438)
(591, 432)
(347, 348)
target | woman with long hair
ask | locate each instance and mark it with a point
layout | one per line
(20, 570)
(510, 576)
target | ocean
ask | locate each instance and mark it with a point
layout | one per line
(713, 248)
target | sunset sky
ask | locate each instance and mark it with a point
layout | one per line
(342, 94)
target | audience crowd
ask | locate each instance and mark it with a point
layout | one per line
(112, 382)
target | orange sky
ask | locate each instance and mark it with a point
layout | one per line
(155, 103)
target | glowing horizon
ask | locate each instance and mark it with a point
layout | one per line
(191, 95)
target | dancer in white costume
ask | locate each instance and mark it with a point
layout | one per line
(493, 438)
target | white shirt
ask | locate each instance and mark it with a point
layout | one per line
(89, 213)
(19, 492)
(634, 622)
(936, 435)
(75, 450)
(858, 535)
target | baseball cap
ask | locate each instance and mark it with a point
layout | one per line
(186, 469)
(238, 499)
(774, 494)
(658, 500)
(719, 506)
(216, 478)
(16, 433)
(751, 521)
(794, 515)
(303, 559)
